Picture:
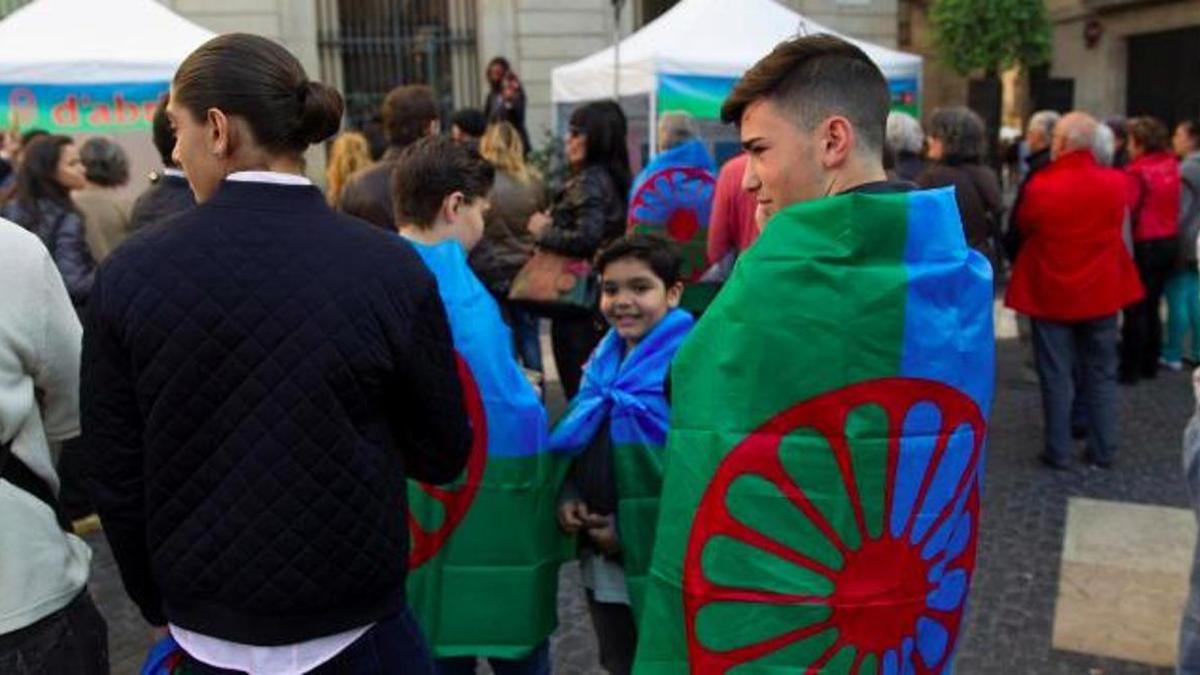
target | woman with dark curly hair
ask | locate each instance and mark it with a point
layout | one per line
(50, 170)
(957, 142)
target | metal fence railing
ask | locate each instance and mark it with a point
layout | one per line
(367, 47)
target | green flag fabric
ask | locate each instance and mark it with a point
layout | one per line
(483, 575)
(820, 505)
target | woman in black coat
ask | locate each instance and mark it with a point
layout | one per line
(956, 149)
(50, 170)
(588, 213)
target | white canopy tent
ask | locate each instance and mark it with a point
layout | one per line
(93, 67)
(713, 42)
(83, 41)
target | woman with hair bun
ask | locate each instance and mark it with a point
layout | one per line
(260, 379)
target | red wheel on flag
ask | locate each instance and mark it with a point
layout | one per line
(455, 500)
(870, 573)
(677, 202)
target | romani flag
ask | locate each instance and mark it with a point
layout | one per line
(486, 550)
(821, 500)
(672, 196)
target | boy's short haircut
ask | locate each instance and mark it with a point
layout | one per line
(471, 121)
(813, 77)
(660, 254)
(432, 169)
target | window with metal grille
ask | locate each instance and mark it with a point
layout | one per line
(368, 47)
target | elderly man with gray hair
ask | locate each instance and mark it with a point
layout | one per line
(1072, 276)
(1038, 133)
(906, 140)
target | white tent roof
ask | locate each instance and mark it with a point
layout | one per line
(703, 37)
(79, 41)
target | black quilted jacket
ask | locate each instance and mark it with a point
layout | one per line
(258, 380)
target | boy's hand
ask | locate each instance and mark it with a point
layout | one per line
(572, 515)
(603, 531)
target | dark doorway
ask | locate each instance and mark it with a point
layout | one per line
(1051, 93)
(1163, 71)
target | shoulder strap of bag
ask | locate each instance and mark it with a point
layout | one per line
(13, 470)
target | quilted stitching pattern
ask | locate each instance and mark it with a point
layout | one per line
(269, 354)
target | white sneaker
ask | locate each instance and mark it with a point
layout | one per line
(1175, 366)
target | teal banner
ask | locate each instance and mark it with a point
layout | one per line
(81, 108)
(702, 95)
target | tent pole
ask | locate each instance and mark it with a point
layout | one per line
(652, 119)
(617, 4)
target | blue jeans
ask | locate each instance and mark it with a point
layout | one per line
(1183, 315)
(1092, 346)
(529, 344)
(393, 645)
(537, 663)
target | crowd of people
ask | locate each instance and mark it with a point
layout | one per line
(250, 378)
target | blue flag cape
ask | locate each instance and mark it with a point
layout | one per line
(516, 418)
(629, 393)
(487, 549)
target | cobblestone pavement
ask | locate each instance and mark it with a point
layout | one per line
(1011, 615)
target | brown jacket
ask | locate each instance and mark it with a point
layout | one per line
(507, 243)
(977, 191)
(368, 193)
(105, 219)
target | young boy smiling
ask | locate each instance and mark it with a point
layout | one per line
(617, 427)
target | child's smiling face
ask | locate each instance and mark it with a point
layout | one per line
(634, 299)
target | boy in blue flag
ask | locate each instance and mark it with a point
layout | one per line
(485, 553)
(617, 426)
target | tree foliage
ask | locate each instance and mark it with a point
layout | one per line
(991, 35)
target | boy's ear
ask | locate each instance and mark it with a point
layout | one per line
(451, 205)
(675, 294)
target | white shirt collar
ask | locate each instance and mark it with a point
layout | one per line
(171, 171)
(274, 177)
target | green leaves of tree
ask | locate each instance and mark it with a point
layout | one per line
(991, 35)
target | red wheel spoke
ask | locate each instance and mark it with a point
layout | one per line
(747, 535)
(841, 452)
(858, 662)
(795, 496)
(760, 649)
(825, 657)
(948, 510)
(750, 595)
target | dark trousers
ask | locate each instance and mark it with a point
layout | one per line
(537, 663)
(573, 341)
(1141, 334)
(1089, 348)
(393, 645)
(616, 634)
(72, 640)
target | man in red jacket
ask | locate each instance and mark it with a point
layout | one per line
(1072, 275)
